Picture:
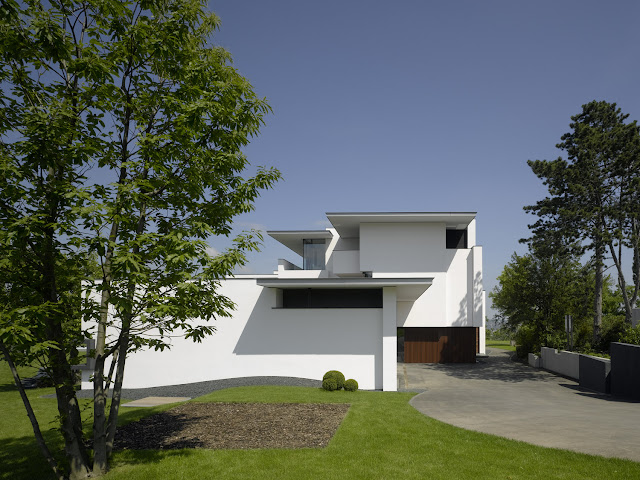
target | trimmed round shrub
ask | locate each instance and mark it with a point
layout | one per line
(337, 375)
(330, 384)
(351, 385)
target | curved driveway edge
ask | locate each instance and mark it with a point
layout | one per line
(515, 401)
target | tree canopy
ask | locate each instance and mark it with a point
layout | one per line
(121, 136)
(593, 196)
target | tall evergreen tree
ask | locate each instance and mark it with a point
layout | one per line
(593, 194)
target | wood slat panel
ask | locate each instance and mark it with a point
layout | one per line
(440, 344)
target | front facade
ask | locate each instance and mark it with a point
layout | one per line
(357, 284)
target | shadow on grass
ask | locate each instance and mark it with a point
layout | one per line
(20, 458)
(8, 387)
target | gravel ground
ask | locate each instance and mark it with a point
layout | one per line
(194, 390)
(234, 426)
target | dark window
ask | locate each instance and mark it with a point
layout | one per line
(313, 253)
(457, 238)
(332, 298)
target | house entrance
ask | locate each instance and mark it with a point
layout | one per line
(440, 344)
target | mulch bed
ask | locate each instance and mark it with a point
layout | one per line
(234, 426)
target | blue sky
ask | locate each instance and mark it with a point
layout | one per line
(421, 106)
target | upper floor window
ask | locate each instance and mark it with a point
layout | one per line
(313, 253)
(457, 238)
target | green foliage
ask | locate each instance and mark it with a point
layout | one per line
(614, 328)
(501, 333)
(501, 344)
(122, 131)
(339, 377)
(533, 295)
(330, 384)
(350, 385)
(630, 335)
(593, 196)
(527, 341)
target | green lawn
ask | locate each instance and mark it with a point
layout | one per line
(503, 344)
(381, 437)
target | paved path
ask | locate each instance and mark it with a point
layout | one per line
(515, 401)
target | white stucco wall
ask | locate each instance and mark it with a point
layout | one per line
(402, 247)
(260, 340)
(449, 301)
(471, 234)
(389, 339)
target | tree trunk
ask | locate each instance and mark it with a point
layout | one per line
(124, 340)
(117, 389)
(68, 408)
(99, 392)
(100, 457)
(60, 369)
(597, 309)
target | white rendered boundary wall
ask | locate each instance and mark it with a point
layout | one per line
(260, 340)
(563, 362)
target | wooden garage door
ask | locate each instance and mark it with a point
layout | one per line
(440, 345)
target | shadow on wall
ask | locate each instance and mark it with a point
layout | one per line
(465, 309)
(319, 331)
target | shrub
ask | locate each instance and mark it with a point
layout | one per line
(351, 385)
(330, 384)
(631, 335)
(526, 341)
(613, 328)
(337, 375)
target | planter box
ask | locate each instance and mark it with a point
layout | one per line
(564, 363)
(625, 370)
(595, 373)
(534, 360)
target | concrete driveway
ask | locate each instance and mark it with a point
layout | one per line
(515, 401)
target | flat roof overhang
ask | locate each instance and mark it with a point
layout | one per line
(292, 239)
(408, 289)
(347, 224)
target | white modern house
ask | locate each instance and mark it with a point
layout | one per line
(341, 307)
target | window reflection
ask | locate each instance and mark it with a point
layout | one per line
(313, 253)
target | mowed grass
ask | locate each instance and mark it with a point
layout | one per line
(381, 437)
(503, 344)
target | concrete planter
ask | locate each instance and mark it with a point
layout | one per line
(534, 360)
(563, 362)
(625, 370)
(595, 373)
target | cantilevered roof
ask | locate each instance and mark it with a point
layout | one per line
(408, 289)
(348, 223)
(293, 238)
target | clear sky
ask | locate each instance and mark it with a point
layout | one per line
(421, 106)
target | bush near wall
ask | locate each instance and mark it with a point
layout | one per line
(351, 385)
(335, 375)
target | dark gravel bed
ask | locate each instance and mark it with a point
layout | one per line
(194, 390)
(234, 426)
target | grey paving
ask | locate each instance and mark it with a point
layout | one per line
(512, 400)
(155, 401)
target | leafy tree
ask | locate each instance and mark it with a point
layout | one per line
(121, 132)
(593, 195)
(535, 292)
